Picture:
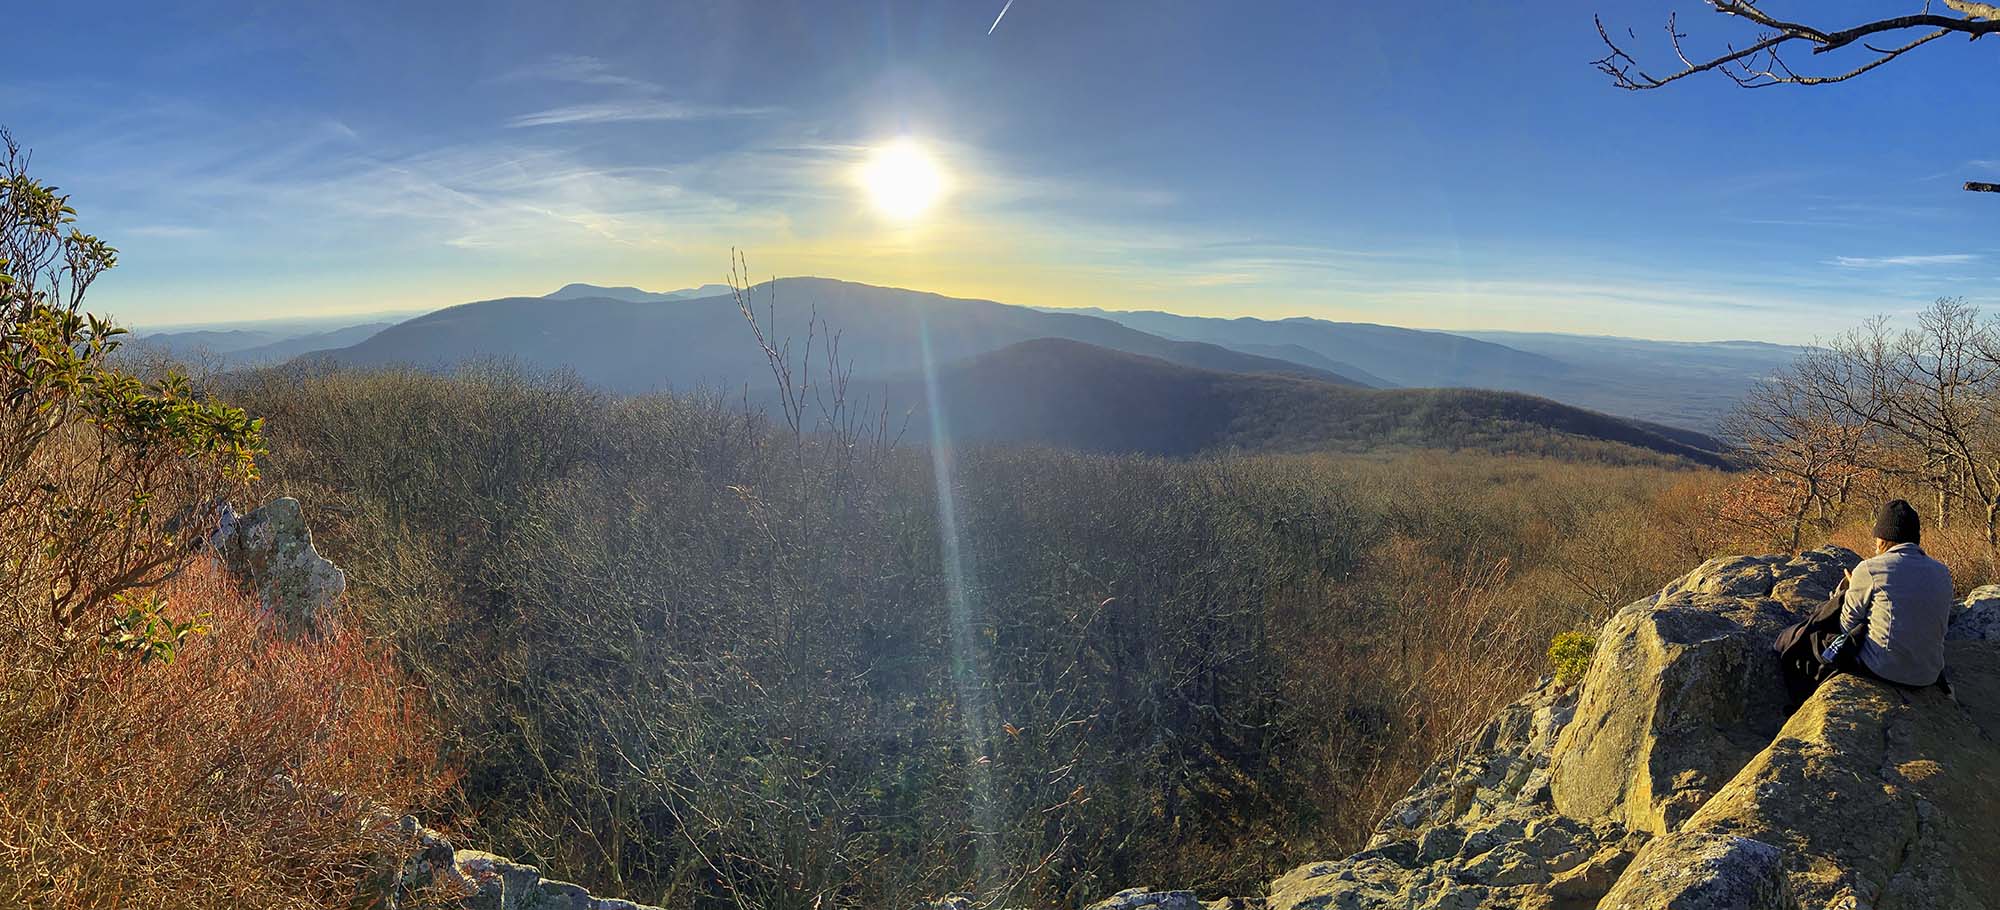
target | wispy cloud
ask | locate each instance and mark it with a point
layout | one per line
(581, 70)
(633, 100)
(634, 110)
(1883, 262)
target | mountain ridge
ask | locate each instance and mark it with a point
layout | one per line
(1028, 393)
(705, 341)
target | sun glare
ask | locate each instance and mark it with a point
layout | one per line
(903, 180)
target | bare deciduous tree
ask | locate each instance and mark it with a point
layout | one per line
(1919, 404)
(1810, 437)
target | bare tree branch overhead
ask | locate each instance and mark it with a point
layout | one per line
(1762, 62)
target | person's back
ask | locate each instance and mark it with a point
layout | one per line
(1906, 599)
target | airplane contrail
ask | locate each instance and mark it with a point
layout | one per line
(1003, 14)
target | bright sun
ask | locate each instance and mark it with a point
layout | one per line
(902, 179)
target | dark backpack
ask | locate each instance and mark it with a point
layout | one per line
(1801, 648)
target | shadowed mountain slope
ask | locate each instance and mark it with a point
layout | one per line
(1075, 395)
(1687, 384)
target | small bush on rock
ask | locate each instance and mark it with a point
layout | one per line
(1569, 656)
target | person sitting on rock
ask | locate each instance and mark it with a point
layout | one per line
(1893, 607)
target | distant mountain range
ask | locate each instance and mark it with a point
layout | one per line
(232, 348)
(1093, 380)
(1692, 384)
(658, 341)
(584, 291)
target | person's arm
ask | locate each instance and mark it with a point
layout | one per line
(1860, 590)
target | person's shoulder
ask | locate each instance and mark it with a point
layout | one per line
(1874, 562)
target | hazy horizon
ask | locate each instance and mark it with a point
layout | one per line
(305, 324)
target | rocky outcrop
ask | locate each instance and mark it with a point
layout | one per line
(1681, 692)
(1878, 796)
(1479, 829)
(1691, 870)
(271, 550)
(1143, 899)
(1670, 777)
(485, 881)
(1978, 618)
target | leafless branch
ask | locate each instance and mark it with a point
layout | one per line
(1761, 63)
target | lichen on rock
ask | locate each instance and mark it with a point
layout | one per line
(271, 551)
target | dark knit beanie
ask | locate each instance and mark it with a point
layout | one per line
(1897, 523)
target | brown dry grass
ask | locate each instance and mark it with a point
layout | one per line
(245, 773)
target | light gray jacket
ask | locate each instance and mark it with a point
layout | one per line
(1907, 600)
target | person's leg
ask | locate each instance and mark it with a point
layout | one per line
(1801, 678)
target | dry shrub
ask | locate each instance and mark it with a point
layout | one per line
(1462, 650)
(246, 772)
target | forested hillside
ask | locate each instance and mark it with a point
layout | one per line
(798, 670)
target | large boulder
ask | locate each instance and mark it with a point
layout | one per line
(1978, 617)
(1683, 689)
(1693, 871)
(271, 551)
(1880, 796)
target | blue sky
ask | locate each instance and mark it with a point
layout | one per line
(1460, 167)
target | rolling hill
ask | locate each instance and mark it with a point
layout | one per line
(1404, 357)
(649, 344)
(1074, 395)
(1687, 384)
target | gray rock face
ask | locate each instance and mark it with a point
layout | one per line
(487, 881)
(1704, 872)
(1142, 899)
(1683, 689)
(1978, 618)
(1671, 778)
(1478, 830)
(271, 550)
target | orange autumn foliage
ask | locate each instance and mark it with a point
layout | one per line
(248, 771)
